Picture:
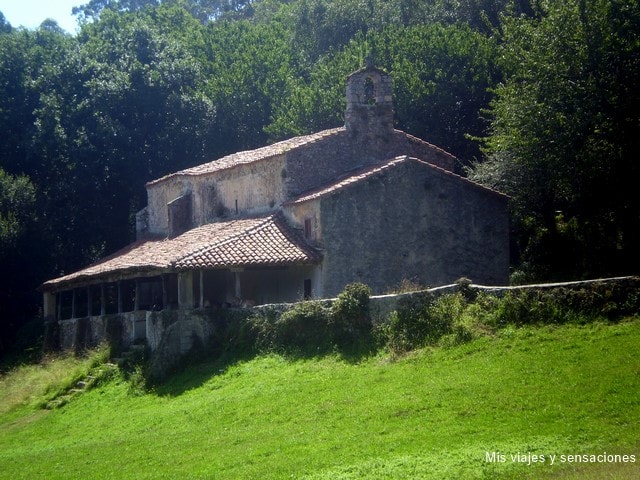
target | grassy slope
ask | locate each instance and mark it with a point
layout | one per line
(433, 414)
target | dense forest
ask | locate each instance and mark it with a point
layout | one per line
(537, 98)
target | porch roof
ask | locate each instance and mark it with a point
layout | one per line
(263, 241)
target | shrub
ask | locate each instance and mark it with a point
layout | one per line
(537, 307)
(406, 286)
(304, 328)
(422, 321)
(442, 315)
(240, 336)
(349, 314)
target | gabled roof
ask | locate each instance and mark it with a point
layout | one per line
(380, 169)
(267, 242)
(264, 241)
(251, 156)
(264, 153)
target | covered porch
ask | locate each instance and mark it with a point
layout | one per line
(202, 288)
(232, 264)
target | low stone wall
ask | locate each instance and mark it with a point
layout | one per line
(120, 330)
(180, 332)
(617, 289)
(172, 334)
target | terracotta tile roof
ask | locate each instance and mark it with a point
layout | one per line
(251, 156)
(269, 241)
(377, 170)
(265, 241)
(264, 153)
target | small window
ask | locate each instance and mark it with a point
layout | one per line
(307, 289)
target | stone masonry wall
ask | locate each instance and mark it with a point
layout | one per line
(328, 159)
(413, 223)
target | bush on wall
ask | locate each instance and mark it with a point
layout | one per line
(420, 319)
(349, 316)
(304, 328)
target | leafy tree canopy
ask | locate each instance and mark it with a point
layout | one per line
(565, 133)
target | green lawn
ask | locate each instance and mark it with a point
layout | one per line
(434, 414)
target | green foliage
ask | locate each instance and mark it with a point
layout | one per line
(17, 209)
(307, 328)
(422, 321)
(304, 328)
(565, 134)
(350, 317)
(563, 305)
(19, 245)
(451, 319)
(442, 76)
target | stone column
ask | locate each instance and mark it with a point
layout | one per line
(238, 285)
(119, 285)
(49, 305)
(103, 300)
(136, 296)
(89, 302)
(165, 293)
(201, 288)
(185, 290)
(73, 303)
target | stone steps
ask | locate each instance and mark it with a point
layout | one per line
(81, 386)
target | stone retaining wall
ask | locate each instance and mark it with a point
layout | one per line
(172, 334)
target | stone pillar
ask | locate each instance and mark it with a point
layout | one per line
(73, 303)
(103, 300)
(201, 288)
(237, 286)
(49, 305)
(136, 295)
(165, 293)
(119, 284)
(185, 290)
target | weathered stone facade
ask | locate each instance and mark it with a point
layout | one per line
(433, 228)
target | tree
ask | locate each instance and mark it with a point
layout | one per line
(565, 133)
(139, 114)
(17, 249)
(5, 27)
(91, 11)
(441, 74)
(246, 80)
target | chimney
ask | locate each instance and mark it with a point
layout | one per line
(179, 211)
(369, 103)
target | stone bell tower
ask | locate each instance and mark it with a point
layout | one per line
(369, 103)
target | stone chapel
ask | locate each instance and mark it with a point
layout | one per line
(299, 219)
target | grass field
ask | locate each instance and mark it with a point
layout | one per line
(437, 413)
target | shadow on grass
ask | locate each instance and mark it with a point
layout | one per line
(197, 369)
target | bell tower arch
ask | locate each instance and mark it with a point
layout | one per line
(369, 103)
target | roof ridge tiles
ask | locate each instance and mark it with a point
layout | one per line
(378, 168)
(250, 156)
